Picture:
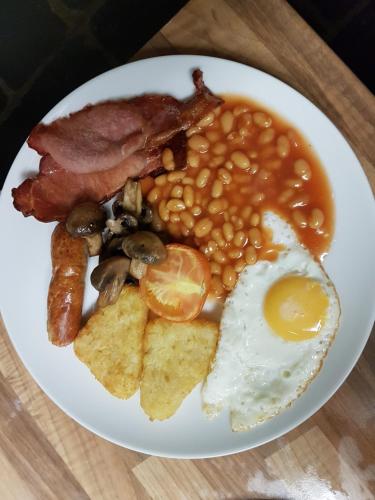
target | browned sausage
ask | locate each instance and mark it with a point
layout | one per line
(65, 295)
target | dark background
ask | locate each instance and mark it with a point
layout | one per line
(49, 47)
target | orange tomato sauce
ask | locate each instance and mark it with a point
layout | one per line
(242, 160)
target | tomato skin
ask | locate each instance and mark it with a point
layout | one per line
(177, 288)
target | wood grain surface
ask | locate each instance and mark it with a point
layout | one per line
(46, 455)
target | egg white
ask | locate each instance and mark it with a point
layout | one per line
(257, 373)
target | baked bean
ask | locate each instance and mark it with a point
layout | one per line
(254, 168)
(206, 120)
(228, 165)
(299, 218)
(244, 132)
(216, 288)
(226, 216)
(192, 130)
(264, 174)
(212, 246)
(292, 136)
(240, 265)
(294, 183)
(274, 164)
(285, 196)
(203, 227)
(245, 120)
(240, 239)
(302, 169)
(216, 206)
(202, 178)
(235, 253)
(228, 231)
(198, 197)
(257, 198)
(176, 176)
(175, 205)
(229, 277)
(255, 237)
(252, 155)
(219, 148)
(233, 209)
(187, 219)
(167, 159)
(261, 119)
(238, 110)
(215, 268)
(216, 161)
(217, 236)
(188, 181)
(205, 250)
(240, 160)
(246, 212)
(217, 189)
(185, 231)
(161, 180)
(213, 135)
(250, 255)
(198, 143)
(188, 196)
(217, 111)
(177, 191)
(193, 158)
(266, 136)
(246, 190)
(174, 217)
(255, 219)
(163, 211)
(282, 146)
(224, 176)
(154, 195)
(300, 200)
(227, 121)
(316, 218)
(196, 210)
(238, 222)
(174, 229)
(219, 257)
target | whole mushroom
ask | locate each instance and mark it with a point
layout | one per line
(144, 246)
(87, 220)
(109, 278)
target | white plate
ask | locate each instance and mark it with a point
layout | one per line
(25, 270)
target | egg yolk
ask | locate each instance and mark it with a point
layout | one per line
(295, 307)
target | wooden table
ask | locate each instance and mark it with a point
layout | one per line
(46, 455)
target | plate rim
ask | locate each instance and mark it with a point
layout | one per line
(296, 422)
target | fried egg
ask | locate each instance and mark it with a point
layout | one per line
(276, 329)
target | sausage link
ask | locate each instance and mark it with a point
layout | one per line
(65, 294)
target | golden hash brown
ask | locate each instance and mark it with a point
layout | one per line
(111, 343)
(177, 357)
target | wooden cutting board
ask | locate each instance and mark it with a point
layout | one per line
(46, 455)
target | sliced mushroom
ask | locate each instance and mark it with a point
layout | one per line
(123, 224)
(94, 243)
(137, 268)
(144, 246)
(132, 197)
(85, 219)
(109, 278)
(146, 215)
